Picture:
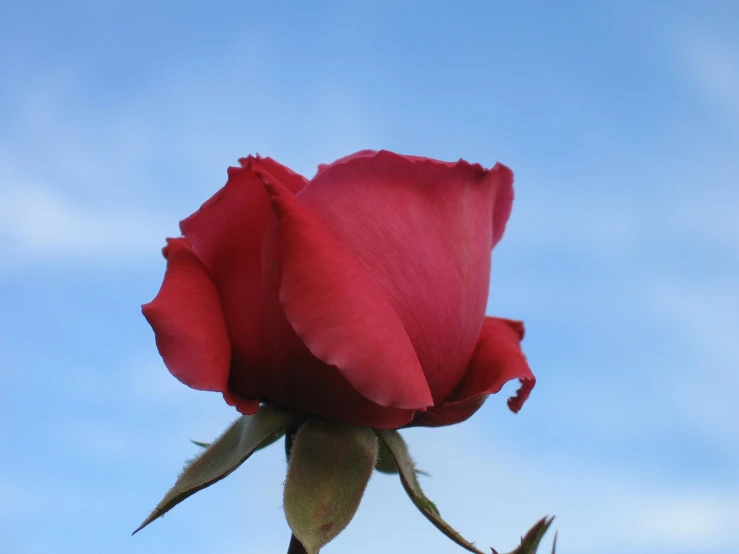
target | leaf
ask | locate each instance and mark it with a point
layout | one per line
(244, 437)
(530, 542)
(279, 434)
(386, 464)
(399, 451)
(330, 466)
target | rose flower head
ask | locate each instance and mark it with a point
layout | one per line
(357, 296)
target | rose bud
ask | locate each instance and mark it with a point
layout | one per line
(358, 296)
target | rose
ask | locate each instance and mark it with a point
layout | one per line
(358, 296)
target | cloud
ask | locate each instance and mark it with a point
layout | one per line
(16, 500)
(492, 493)
(712, 63)
(78, 182)
(703, 316)
(39, 223)
(693, 207)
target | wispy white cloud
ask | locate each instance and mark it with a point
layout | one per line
(40, 223)
(492, 493)
(704, 316)
(712, 63)
(15, 499)
(80, 187)
(689, 206)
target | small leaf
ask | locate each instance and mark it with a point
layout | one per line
(330, 466)
(399, 451)
(530, 542)
(265, 444)
(244, 437)
(386, 464)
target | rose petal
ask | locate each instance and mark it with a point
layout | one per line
(243, 405)
(372, 153)
(449, 413)
(286, 176)
(424, 230)
(188, 321)
(360, 154)
(229, 232)
(498, 359)
(339, 312)
(503, 200)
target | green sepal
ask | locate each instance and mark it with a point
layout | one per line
(386, 464)
(278, 435)
(408, 476)
(530, 542)
(244, 437)
(329, 468)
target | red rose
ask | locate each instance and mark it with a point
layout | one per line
(358, 296)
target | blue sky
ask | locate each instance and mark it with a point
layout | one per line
(621, 122)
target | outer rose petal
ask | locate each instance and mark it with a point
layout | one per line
(188, 321)
(503, 201)
(286, 176)
(243, 405)
(503, 197)
(228, 233)
(497, 360)
(360, 154)
(424, 230)
(339, 312)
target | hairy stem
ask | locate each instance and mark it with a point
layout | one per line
(295, 546)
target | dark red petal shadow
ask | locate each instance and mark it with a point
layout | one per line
(312, 388)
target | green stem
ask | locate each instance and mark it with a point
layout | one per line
(295, 547)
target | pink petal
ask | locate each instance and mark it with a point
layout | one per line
(423, 229)
(286, 176)
(497, 360)
(449, 413)
(360, 154)
(338, 310)
(503, 200)
(188, 321)
(229, 233)
(243, 405)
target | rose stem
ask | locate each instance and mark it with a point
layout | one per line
(295, 546)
